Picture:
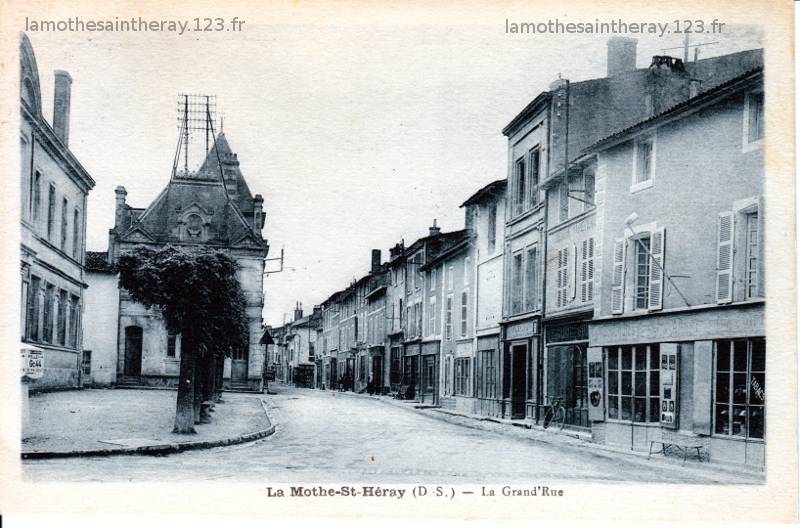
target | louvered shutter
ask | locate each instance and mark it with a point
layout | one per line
(655, 300)
(574, 284)
(584, 270)
(725, 258)
(590, 271)
(618, 277)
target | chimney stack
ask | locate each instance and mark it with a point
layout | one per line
(120, 208)
(298, 311)
(434, 229)
(62, 95)
(621, 55)
(258, 212)
(376, 260)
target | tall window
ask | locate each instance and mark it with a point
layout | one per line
(448, 321)
(464, 313)
(644, 160)
(47, 312)
(62, 318)
(531, 285)
(519, 191)
(752, 256)
(492, 230)
(74, 320)
(633, 383)
(419, 318)
(462, 377)
(32, 318)
(488, 383)
(516, 283)
(467, 270)
(64, 226)
(36, 195)
(450, 275)
(171, 342)
(755, 117)
(76, 234)
(739, 388)
(432, 316)
(642, 273)
(51, 211)
(534, 175)
(433, 279)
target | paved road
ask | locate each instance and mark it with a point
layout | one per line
(337, 437)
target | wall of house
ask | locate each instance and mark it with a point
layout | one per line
(489, 264)
(101, 316)
(707, 186)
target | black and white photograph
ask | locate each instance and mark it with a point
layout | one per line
(514, 261)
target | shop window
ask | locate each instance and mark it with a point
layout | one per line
(487, 384)
(633, 383)
(462, 376)
(395, 371)
(740, 388)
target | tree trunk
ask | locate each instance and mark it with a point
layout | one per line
(219, 380)
(184, 412)
(197, 399)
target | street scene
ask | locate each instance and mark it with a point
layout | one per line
(453, 450)
(589, 305)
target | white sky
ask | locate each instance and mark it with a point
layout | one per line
(357, 135)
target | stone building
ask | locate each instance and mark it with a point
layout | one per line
(53, 191)
(212, 207)
(678, 339)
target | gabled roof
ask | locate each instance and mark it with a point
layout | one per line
(494, 189)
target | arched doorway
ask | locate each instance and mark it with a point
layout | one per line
(133, 351)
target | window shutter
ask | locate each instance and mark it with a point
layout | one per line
(618, 277)
(657, 239)
(590, 271)
(584, 270)
(725, 258)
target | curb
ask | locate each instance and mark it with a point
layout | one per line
(161, 449)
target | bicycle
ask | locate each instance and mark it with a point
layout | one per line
(555, 414)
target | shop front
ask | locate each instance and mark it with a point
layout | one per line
(565, 369)
(487, 376)
(519, 369)
(376, 359)
(429, 373)
(698, 374)
(409, 386)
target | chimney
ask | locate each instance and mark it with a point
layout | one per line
(298, 311)
(434, 229)
(621, 55)
(120, 209)
(470, 214)
(62, 94)
(258, 212)
(376, 260)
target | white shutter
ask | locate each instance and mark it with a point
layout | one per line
(725, 258)
(574, 272)
(618, 277)
(657, 240)
(590, 271)
(584, 270)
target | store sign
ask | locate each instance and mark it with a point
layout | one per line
(594, 356)
(522, 330)
(32, 364)
(669, 377)
(567, 332)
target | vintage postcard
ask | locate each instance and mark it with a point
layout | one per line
(508, 261)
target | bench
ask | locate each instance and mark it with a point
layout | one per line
(694, 446)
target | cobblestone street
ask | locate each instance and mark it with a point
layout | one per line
(340, 437)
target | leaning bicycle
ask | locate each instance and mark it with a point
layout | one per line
(555, 415)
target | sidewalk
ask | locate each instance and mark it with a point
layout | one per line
(565, 439)
(99, 422)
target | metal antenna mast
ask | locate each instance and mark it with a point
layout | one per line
(196, 113)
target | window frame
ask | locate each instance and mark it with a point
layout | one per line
(448, 324)
(636, 185)
(652, 384)
(464, 312)
(462, 376)
(520, 196)
(747, 145)
(534, 173)
(752, 255)
(731, 375)
(638, 242)
(51, 210)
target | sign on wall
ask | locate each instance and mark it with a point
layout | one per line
(594, 357)
(32, 363)
(669, 376)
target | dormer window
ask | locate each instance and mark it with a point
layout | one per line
(194, 226)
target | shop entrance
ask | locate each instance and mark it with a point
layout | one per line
(566, 379)
(377, 373)
(519, 369)
(430, 379)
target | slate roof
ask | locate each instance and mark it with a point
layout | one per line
(492, 189)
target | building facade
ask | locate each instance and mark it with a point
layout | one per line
(212, 207)
(54, 188)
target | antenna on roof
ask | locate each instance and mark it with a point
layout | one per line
(196, 113)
